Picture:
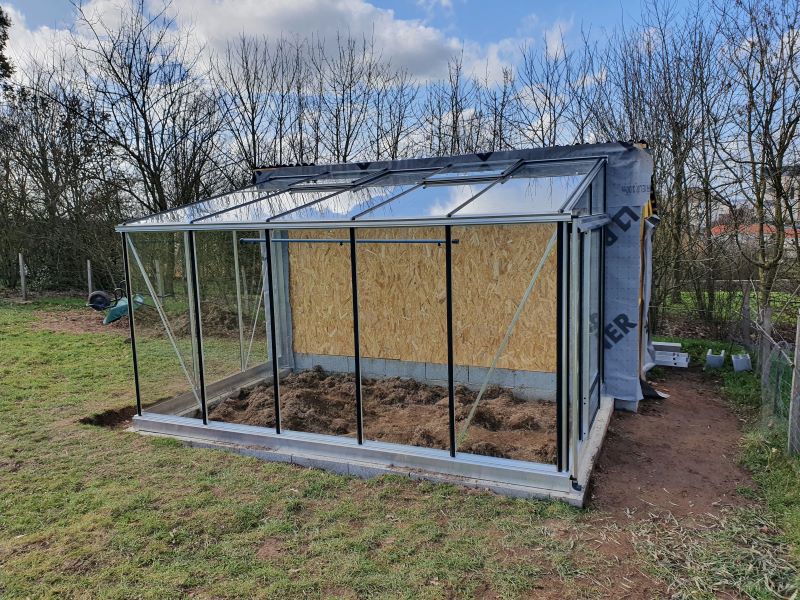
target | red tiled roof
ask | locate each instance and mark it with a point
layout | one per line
(752, 230)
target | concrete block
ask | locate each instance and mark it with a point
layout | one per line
(409, 369)
(460, 373)
(501, 377)
(373, 367)
(741, 362)
(546, 382)
(435, 371)
(366, 471)
(715, 361)
(626, 405)
(302, 362)
(335, 466)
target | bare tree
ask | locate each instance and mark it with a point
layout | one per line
(245, 76)
(347, 79)
(543, 98)
(758, 142)
(144, 77)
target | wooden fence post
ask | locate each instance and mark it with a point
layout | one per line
(765, 347)
(89, 275)
(159, 280)
(794, 403)
(22, 281)
(764, 363)
(746, 317)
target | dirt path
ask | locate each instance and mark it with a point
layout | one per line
(676, 455)
(77, 321)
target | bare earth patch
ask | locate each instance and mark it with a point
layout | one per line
(270, 550)
(117, 418)
(77, 321)
(676, 455)
(401, 411)
(669, 468)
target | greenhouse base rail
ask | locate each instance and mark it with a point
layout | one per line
(372, 458)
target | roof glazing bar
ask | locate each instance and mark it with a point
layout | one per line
(582, 186)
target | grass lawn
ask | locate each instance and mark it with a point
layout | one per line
(96, 512)
(729, 306)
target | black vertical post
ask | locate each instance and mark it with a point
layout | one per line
(356, 348)
(198, 329)
(559, 345)
(273, 342)
(131, 326)
(451, 397)
(581, 292)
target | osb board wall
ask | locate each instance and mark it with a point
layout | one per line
(320, 295)
(401, 291)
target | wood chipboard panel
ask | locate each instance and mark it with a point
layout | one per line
(402, 296)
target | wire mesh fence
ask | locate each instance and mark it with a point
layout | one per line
(75, 277)
(771, 337)
(779, 379)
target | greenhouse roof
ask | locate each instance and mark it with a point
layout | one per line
(515, 186)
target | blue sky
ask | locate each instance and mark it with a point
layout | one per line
(479, 20)
(417, 34)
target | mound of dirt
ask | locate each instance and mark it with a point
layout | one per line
(402, 411)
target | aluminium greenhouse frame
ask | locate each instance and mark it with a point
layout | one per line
(580, 427)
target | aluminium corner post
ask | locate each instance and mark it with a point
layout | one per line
(601, 319)
(574, 364)
(586, 262)
(451, 398)
(131, 325)
(562, 452)
(356, 338)
(272, 329)
(194, 291)
(242, 358)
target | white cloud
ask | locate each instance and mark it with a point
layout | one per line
(554, 37)
(422, 49)
(26, 45)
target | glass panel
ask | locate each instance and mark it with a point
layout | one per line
(164, 308)
(345, 205)
(505, 340)
(188, 213)
(342, 180)
(595, 287)
(314, 324)
(433, 201)
(523, 196)
(260, 211)
(235, 329)
(490, 170)
(403, 336)
(233, 325)
(255, 299)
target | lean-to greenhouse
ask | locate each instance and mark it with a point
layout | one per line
(468, 318)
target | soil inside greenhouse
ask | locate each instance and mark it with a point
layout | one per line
(402, 411)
